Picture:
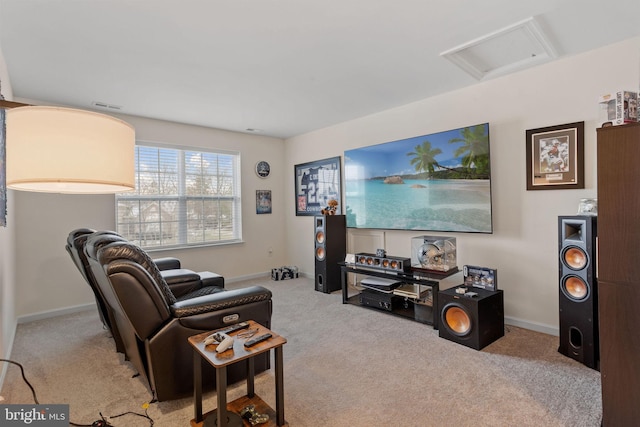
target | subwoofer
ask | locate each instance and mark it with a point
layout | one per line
(578, 290)
(330, 249)
(473, 321)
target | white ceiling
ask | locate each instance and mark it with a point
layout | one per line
(283, 67)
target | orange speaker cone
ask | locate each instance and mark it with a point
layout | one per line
(320, 237)
(458, 320)
(575, 288)
(575, 258)
(320, 254)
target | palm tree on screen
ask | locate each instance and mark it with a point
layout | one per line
(474, 151)
(424, 157)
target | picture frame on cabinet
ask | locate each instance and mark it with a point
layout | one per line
(555, 157)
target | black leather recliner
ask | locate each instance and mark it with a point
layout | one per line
(181, 281)
(154, 324)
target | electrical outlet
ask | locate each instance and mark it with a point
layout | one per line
(270, 251)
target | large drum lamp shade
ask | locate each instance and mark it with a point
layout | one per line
(63, 150)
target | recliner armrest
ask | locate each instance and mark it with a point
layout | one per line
(220, 301)
(167, 263)
(179, 275)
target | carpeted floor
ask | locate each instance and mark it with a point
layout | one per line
(344, 366)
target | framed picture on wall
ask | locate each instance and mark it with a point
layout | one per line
(555, 157)
(315, 184)
(263, 202)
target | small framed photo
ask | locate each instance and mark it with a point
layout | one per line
(555, 157)
(263, 202)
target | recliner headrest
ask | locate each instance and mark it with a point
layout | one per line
(119, 250)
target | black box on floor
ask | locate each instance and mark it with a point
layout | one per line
(474, 318)
(285, 272)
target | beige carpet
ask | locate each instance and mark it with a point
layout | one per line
(344, 366)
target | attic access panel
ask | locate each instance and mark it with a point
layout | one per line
(510, 49)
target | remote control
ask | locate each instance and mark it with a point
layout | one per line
(236, 327)
(256, 340)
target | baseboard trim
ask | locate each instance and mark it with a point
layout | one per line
(247, 277)
(57, 312)
(533, 326)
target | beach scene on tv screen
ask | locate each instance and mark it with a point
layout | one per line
(435, 182)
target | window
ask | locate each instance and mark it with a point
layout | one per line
(182, 198)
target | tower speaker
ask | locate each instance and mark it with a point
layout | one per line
(330, 248)
(578, 293)
(471, 321)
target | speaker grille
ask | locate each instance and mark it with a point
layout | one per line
(575, 258)
(456, 319)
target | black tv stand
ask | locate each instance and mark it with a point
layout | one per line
(421, 307)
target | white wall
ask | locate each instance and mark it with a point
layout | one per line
(524, 244)
(46, 279)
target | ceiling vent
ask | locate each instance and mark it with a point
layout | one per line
(513, 48)
(105, 106)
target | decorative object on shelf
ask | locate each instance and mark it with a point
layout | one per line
(331, 208)
(618, 108)
(555, 157)
(263, 169)
(588, 207)
(480, 277)
(412, 183)
(316, 183)
(250, 414)
(263, 202)
(435, 253)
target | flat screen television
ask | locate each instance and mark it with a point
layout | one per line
(436, 182)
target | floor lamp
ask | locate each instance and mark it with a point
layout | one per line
(65, 150)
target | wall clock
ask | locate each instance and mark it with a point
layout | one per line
(263, 169)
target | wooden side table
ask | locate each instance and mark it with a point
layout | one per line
(227, 414)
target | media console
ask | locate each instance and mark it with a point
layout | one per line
(416, 299)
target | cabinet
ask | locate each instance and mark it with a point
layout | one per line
(421, 307)
(618, 272)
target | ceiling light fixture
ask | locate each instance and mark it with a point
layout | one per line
(64, 150)
(510, 49)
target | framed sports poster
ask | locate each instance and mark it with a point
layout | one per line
(315, 184)
(555, 157)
